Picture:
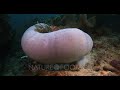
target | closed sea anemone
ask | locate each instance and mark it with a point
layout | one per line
(62, 46)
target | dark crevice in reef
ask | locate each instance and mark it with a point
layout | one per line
(5, 40)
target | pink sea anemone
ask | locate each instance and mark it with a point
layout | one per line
(62, 46)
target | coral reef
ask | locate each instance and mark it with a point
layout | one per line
(89, 23)
(104, 57)
(73, 21)
(105, 51)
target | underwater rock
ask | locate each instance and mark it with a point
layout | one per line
(82, 21)
(109, 68)
(87, 23)
(61, 46)
(5, 39)
(115, 64)
(74, 20)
